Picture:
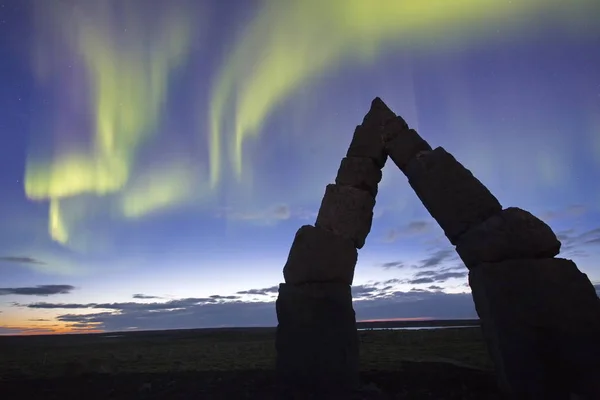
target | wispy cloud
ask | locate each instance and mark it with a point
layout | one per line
(371, 301)
(394, 265)
(576, 244)
(145, 296)
(575, 210)
(16, 330)
(413, 228)
(279, 212)
(375, 299)
(437, 276)
(260, 292)
(40, 290)
(438, 256)
(21, 260)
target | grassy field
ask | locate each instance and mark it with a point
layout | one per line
(147, 357)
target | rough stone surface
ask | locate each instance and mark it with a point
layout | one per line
(541, 321)
(316, 339)
(347, 212)
(318, 255)
(366, 142)
(512, 234)
(393, 128)
(367, 139)
(379, 114)
(360, 173)
(453, 196)
(403, 145)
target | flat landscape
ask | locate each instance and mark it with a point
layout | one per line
(450, 363)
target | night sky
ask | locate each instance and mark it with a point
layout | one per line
(157, 157)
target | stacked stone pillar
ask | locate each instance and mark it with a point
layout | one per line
(316, 339)
(540, 315)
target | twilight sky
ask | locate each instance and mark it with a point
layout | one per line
(158, 157)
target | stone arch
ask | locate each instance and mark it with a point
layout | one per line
(513, 274)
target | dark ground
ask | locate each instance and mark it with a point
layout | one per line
(235, 364)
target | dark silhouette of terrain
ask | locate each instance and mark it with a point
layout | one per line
(238, 363)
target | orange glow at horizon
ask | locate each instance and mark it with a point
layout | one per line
(54, 329)
(29, 322)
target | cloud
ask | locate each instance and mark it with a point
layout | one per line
(571, 211)
(437, 257)
(56, 305)
(13, 330)
(267, 216)
(377, 299)
(145, 296)
(261, 292)
(591, 236)
(437, 276)
(372, 301)
(21, 260)
(413, 228)
(393, 265)
(574, 243)
(172, 304)
(219, 297)
(40, 290)
(419, 281)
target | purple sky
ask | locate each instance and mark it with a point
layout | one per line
(157, 161)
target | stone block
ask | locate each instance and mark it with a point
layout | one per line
(318, 255)
(453, 196)
(347, 212)
(510, 235)
(533, 313)
(379, 114)
(403, 145)
(366, 142)
(316, 337)
(360, 173)
(537, 291)
(393, 128)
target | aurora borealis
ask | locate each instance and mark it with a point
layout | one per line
(171, 151)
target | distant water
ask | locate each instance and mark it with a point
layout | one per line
(414, 328)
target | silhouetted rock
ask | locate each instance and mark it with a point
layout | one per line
(318, 255)
(402, 145)
(347, 212)
(540, 316)
(379, 114)
(317, 342)
(536, 314)
(360, 173)
(512, 234)
(366, 142)
(316, 339)
(453, 196)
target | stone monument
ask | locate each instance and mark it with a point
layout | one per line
(317, 340)
(540, 315)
